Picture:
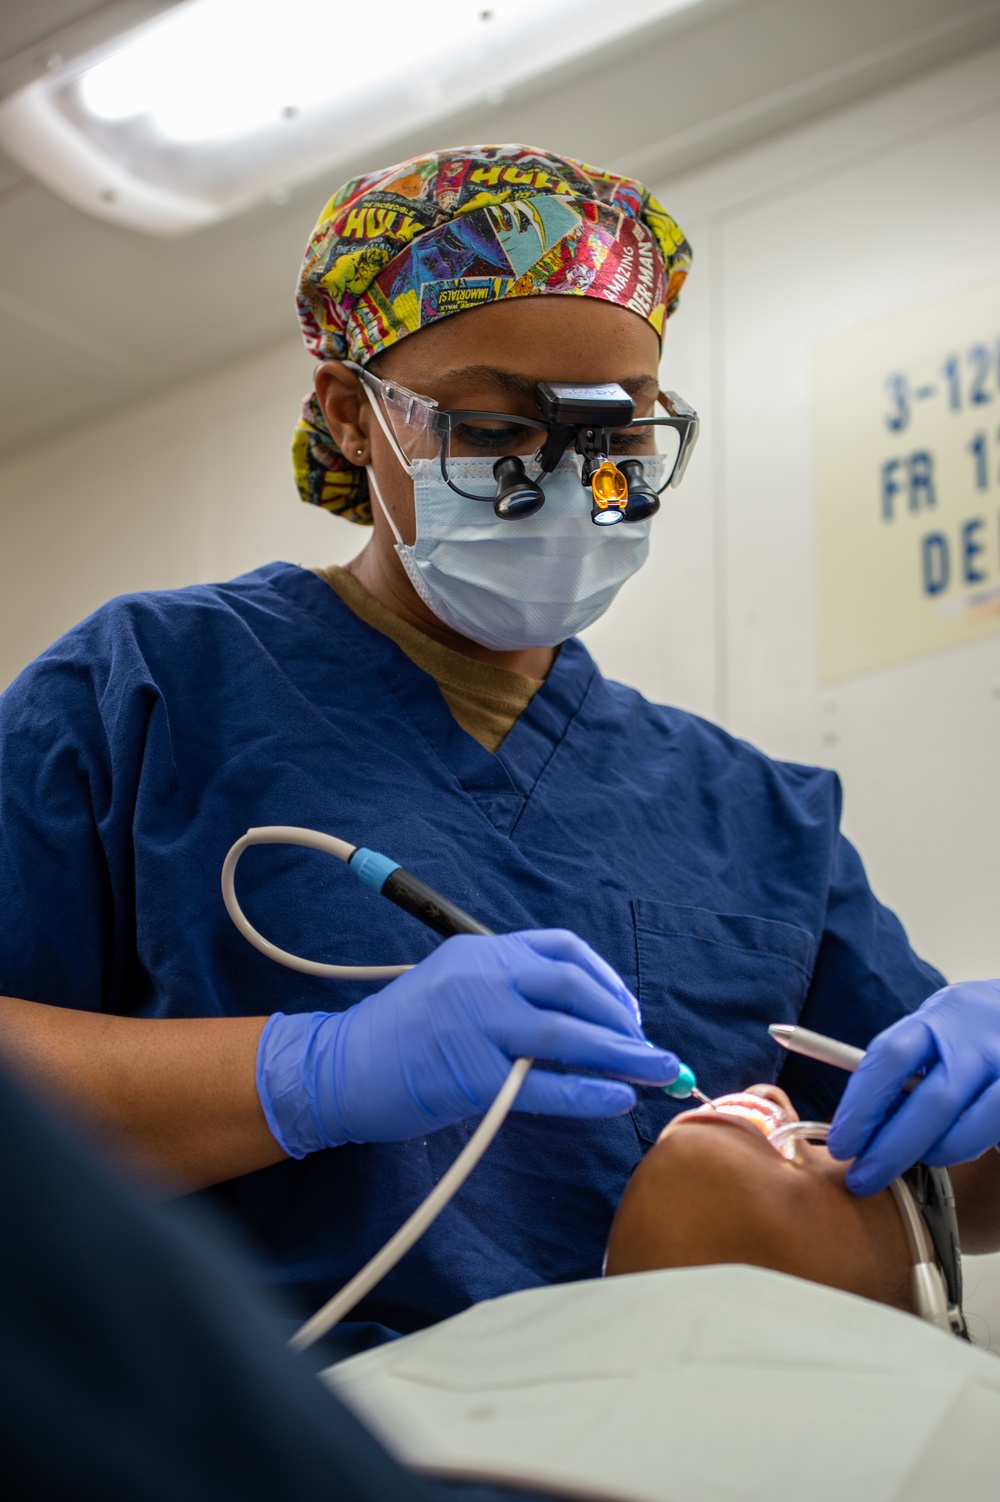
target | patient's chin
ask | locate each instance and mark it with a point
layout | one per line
(701, 1195)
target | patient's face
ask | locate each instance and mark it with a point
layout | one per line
(713, 1189)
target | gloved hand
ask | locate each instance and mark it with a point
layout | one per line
(437, 1043)
(952, 1115)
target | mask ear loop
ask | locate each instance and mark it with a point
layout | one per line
(405, 465)
(927, 1286)
(373, 484)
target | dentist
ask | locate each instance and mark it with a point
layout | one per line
(653, 880)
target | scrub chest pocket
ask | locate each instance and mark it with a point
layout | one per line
(709, 984)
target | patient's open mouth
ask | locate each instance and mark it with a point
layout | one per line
(741, 1108)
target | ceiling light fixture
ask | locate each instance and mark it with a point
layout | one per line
(215, 104)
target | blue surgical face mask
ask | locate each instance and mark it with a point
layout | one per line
(511, 584)
(532, 582)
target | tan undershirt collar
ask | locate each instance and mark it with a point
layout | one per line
(484, 699)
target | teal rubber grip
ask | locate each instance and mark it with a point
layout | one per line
(682, 1086)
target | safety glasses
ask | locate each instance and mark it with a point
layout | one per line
(662, 444)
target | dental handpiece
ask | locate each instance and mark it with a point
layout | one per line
(421, 901)
(415, 897)
(812, 1045)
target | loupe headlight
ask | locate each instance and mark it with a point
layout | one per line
(588, 417)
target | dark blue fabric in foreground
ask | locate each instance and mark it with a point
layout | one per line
(138, 1365)
(715, 880)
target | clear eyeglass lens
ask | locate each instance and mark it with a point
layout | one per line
(475, 444)
(489, 439)
(413, 420)
(644, 441)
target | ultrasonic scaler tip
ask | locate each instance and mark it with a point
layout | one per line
(686, 1085)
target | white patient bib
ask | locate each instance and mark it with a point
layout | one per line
(696, 1383)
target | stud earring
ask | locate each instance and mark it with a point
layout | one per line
(360, 452)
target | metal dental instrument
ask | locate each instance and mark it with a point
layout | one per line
(827, 1050)
(700, 1095)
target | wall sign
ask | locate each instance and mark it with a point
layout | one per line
(908, 446)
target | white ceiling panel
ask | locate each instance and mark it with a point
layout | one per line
(25, 25)
(93, 316)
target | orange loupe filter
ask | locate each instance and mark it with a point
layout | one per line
(609, 485)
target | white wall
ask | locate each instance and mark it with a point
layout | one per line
(189, 486)
(870, 212)
(816, 233)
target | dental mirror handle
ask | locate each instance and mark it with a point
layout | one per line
(812, 1045)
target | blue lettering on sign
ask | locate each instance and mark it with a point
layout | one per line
(977, 448)
(950, 371)
(890, 489)
(971, 548)
(979, 359)
(896, 420)
(936, 563)
(920, 488)
(981, 384)
(922, 480)
(966, 382)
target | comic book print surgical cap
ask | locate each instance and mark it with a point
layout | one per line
(396, 250)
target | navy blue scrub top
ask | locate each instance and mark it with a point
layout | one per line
(715, 880)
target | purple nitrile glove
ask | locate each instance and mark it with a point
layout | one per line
(436, 1044)
(951, 1116)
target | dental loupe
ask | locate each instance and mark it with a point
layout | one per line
(626, 463)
